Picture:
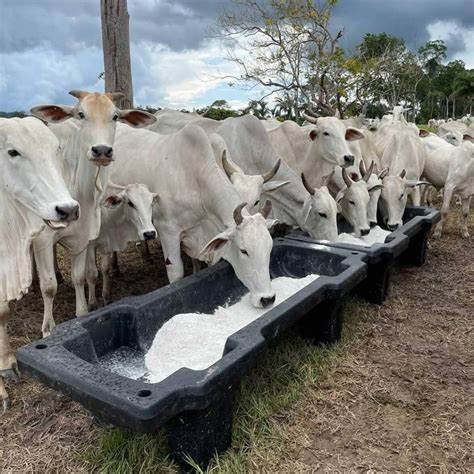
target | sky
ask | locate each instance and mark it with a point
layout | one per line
(48, 47)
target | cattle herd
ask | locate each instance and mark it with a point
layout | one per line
(93, 178)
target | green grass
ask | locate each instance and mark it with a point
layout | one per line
(428, 129)
(290, 366)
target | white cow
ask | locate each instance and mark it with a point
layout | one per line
(404, 157)
(251, 149)
(198, 208)
(126, 217)
(86, 153)
(317, 149)
(33, 195)
(452, 168)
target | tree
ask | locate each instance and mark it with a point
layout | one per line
(283, 45)
(116, 49)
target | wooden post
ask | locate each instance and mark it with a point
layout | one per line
(116, 47)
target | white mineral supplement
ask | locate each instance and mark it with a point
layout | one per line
(197, 340)
(375, 236)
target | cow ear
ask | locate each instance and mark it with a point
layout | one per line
(339, 196)
(467, 137)
(136, 118)
(423, 133)
(411, 183)
(354, 134)
(113, 201)
(52, 113)
(313, 135)
(271, 222)
(218, 242)
(375, 188)
(156, 198)
(273, 185)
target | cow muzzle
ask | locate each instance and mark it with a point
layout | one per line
(149, 235)
(392, 227)
(102, 155)
(348, 160)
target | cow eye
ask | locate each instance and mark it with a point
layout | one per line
(326, 134)
(352, 202)
(256, 202)
(81, 115)
(115, 117)
(14, 153)
(322, 214)
(130, 203)
(244, 251)
(401, 197)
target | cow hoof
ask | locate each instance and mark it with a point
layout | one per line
(48, 329)
(12, 375)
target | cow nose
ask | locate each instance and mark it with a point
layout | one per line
(364, 231)
(392, 227)
(69, 212)
(149, 235)
(349, 160)
(267, 301)
(373, 224)
(102, 150)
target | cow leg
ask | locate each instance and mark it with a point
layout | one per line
(196, 265)
(172, 255)
(57, 271)
(466, 204)
(8, 365)
(145, 251)
(416, 196)
(448, 194)
(44, 257)
(105, 266)
(115, 266)
(78, 275)
(91, 276)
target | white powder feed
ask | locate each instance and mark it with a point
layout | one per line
(197, 340)
(375, 236)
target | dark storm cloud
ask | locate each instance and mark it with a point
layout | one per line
(406, 19)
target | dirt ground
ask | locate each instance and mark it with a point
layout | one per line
(401, 400)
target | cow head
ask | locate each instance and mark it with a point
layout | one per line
(97, 116)
(455, 138)
(320, 212)
(251, 187)
(247, 246)
(354, 201)
(394, 198)
(30, 171)
(330, 136)
(136, 204)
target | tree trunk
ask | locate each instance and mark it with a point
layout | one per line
(454, 107)
(116, 47)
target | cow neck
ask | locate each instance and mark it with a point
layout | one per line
(315, 166)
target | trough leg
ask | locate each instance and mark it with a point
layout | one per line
(8, 364)
(376, 286)
(323, 324)
(202, 433)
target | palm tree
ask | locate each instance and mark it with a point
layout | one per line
(259, 108)
(283, 107)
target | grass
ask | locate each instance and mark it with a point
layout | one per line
(428, 129)
(291, 366)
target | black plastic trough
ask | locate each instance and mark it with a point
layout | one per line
(195, 407)
(408, 244)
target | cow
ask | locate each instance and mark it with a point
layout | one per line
(33, 195)
(404, 157)
(86, 153)
(251, 149)
(198, 209)
(452, 168)
(126, 217)
(317, 149)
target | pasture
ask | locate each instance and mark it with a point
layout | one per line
(392, 395)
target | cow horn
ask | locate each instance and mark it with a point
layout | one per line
(228, 168)
(268, 176)
(309, 118)
(266, 209)
(369, 172)
(383, 173)
(238, 218)
(346, 178)
(403, 173)
(307, 185)
(78, 94)
(362, 168)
